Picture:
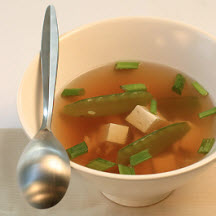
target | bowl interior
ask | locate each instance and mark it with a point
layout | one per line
(173, 44)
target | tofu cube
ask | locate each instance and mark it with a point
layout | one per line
(144, 120)
(190, 143)
(164, 162)
(176, 147)
(145, 167)
(114, 133)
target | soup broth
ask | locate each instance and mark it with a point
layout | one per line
(159, 80)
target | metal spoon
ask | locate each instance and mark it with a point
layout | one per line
(43, 169)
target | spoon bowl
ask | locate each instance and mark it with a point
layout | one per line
(44, 170)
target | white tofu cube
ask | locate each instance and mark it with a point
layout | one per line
(114, 133)
(144, 120)
(190, 143)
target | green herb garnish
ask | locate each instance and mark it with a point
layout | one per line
(206, 145)
(207, 112)
(73, 92)
(126, 170)
(134, 87)
(140, 157)
(77, 150)
(100, 164)
(153, 106)
(199, 88)
(179, 84)
(126, 65)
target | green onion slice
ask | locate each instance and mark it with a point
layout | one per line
(206, 145)
(77, 150)
(207, 112)
(153, 106)
(126, 65)
(100, 164)
(140, 157)
(126, 170)
(179, 84)
(134, 87)
(73, 92)
(199, 88)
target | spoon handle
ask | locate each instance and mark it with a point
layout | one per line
(49, 64)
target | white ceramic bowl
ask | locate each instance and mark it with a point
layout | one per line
(135, 38)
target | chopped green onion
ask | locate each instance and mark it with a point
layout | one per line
(77, 150)
(206, 145)
(207, 112)
(127, 170)
(140, 157)
(73, 92)
(156, 142)
(108, 104)
(153, 106)
(134, 87)
(100, 164)
(199, 88)
(126, 65)
(179, 84)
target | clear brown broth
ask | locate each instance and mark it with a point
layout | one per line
(159, 80)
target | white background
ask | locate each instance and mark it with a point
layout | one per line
(21, 24)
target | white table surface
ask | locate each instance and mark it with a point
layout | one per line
(21, 23)
(197, 198)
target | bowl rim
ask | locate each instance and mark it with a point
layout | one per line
(203, 162)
